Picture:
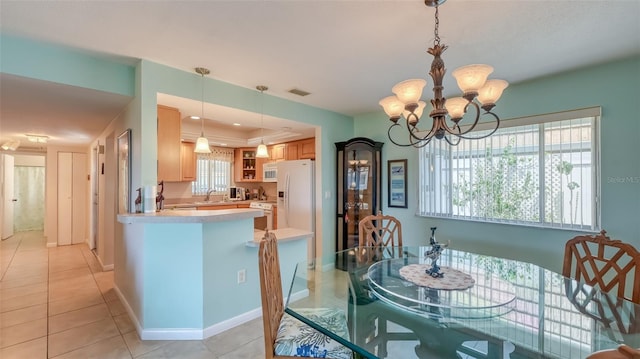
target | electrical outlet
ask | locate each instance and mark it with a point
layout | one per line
(242, 276)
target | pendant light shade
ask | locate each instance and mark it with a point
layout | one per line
(202, 143)
(261, 151)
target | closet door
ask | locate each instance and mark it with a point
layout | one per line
(65, 200)
(79, 203)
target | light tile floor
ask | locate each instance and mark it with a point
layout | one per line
(57, 303)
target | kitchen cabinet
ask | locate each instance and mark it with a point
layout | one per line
(278, 152)
(247, 168)
(169, 146)
(188, 161)
(300, 150)
(307, 149)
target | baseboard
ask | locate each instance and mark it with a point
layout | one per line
(127, 307)
(105, 268)
(193, 333)
(232, 322)
(51, 245)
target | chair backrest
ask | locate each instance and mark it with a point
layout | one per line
(271, 290)
(380, 231)
(611, 265)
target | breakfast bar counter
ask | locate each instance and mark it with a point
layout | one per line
(189, 274)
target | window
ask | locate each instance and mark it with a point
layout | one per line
(213, 172)
(540, 170)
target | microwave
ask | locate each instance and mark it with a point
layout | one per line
(269, 172)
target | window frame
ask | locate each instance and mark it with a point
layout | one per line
(440, 209)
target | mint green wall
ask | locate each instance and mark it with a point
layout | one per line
(53, 63)
(612, 86)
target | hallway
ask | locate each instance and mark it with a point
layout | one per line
(57, 303)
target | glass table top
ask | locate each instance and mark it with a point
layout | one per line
(487, 295)
(513, 309)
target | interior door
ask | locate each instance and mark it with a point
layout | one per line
(8, 199)
(79, 208)
(65, 186)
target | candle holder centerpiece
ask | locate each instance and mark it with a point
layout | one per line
(434, 254)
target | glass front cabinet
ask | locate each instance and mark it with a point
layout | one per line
(359, 189)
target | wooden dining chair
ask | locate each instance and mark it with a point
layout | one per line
(285, 337)
(611, 265)
(622, 352)
(381, 231)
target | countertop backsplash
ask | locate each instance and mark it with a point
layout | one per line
(180, 192)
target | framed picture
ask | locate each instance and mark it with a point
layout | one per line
(397, 181)
(124, 171)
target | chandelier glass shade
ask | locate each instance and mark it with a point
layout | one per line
(202, 143)
(261, 151)
(447, 115)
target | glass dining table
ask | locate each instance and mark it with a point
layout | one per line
(481, 307)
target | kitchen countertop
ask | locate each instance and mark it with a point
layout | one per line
(282, 234)
(191, 216)
(197, 204)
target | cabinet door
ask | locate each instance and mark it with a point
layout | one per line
(278, 152)
(292, 151)
(188, 161)
(307, 149)
(169, 144)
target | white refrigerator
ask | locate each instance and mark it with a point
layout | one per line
(296, 205)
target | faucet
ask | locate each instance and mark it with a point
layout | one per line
(208, 197)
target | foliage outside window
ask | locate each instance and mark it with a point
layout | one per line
(213, 172)
(540, 170)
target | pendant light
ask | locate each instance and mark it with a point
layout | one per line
(202, 143)
(261, 151)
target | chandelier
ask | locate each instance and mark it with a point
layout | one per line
(478, 92)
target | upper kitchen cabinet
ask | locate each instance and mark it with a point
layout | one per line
(247, 168)
(301, 150)
(278, 152)
(188, 161)
(169, 146)
(307, 149)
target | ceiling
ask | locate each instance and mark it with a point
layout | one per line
(347, 54)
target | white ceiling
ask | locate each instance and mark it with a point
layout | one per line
(348, 54)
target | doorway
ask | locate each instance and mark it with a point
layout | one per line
(29, 191)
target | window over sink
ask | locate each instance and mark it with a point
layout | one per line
(213, 172)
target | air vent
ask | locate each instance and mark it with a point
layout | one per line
(299, 92)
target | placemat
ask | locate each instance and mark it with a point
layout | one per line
(453, 279)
